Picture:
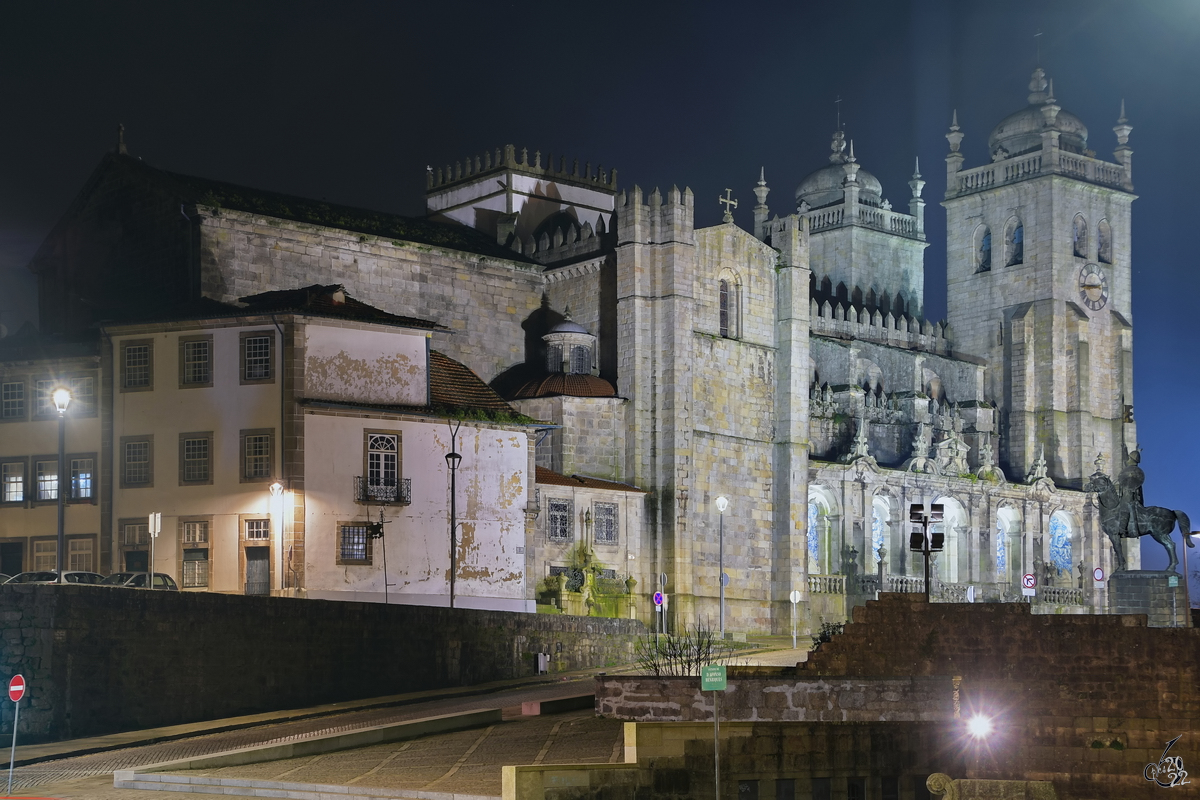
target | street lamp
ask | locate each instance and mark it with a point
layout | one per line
(62, 399)
(453, 459)
(722, 504)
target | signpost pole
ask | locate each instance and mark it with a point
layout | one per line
(716, 746)
(16, 690)
(795, 598)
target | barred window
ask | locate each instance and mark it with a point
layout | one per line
(554, 358)
(581, 360)
(195, 532)
(605, 516)
(137, 463)
(45, 555)
(80, 554)
(258, 455)
(81, 478)
(195, 459)
(12, 475)
(195, 567)
(47, 480)
(12, 400)
(197, 363)
(258, 529)
(353, 544)
(136, 533)
(136, 374)
(559, 527)
(256, 363)
(83, 396)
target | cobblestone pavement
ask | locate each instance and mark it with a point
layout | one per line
(61, 778)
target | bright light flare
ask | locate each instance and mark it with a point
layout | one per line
(62, 398)
(979, 726)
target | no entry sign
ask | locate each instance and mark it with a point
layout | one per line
(16, 688)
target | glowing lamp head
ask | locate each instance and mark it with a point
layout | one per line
(276, 489)
(979, 726)
(62, 399)
(722, 503)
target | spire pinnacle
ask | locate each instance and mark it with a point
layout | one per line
(121, 140)
(954, 121)
(762, 176)
(851, 157)
(1121, 119)
(917, 168)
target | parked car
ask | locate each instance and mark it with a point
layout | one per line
(137, 580)
(51, 576)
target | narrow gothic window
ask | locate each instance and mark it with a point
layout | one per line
(983, 252)
(1001, 554)
(725, 308)
(560, 519)
(1016, 243)
(581, 360)
(1104, 242)
(1080, 237)
(814, 542)
(877, 537)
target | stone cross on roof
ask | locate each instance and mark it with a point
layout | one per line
(729, 203)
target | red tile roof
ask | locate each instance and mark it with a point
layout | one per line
(454, 385)
(559, 383)
(549, 476)
(327, 301)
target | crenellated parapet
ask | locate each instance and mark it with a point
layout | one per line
(858, 322)
(509, 158)
(566, 245)
(655, 218)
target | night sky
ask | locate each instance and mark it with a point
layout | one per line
(350, 101)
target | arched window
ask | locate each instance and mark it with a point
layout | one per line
(1080, 236)
(955, 526)
(1061, 543)
(814, 541)
(1015, 241)
(983, 249)
(1008, 532)
(725, 308)
(581, 360)
(881, 516)
(1104, 242)
(821, 509)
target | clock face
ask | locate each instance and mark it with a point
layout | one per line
(1093, 287)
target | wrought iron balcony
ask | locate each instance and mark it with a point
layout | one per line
(374, 491)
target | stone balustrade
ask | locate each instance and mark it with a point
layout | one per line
(1021, 167)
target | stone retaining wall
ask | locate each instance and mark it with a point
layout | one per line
(100, 660)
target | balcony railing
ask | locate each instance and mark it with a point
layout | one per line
(369, 491)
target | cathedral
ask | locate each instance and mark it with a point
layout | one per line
(789, 368)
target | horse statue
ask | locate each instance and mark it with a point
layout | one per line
(1115, 511)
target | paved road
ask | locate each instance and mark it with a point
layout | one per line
(62, 778)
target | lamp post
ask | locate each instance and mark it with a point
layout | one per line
(62, 399)
(722, 504)
(452, 461)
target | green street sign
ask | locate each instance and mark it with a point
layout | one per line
(712, 678)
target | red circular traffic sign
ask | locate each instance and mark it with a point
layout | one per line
(16, 688)
(1029, 580)
(658, 598)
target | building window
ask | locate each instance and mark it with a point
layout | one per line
(83, 397)
(135, 533)
(12, 479)
(195, 568)
(258, 529)
(814, 541)
(195, 532)
(1016, 243)
(1079, 236)
(80, 554)
(195, 457)
(82, 475)
(256, 455)
(383, 466)
(45, 555)
(137, 461)
(12, 400)
(1104, 242)
(137, 365)
(43, 393)
(1060, 545)
(983, 249)
(581, 360)
(354, 545)
(256, 357)
(554, 359)
(560, 527)
(725, 307)
(195, 362)
(47, 480)
(605, 530)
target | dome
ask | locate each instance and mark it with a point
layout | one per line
(824, 186)
(1021, 131)
(568, 326)
(559, 383)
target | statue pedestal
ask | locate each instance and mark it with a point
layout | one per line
(1149, 592)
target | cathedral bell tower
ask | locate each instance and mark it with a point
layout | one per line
(1038, 285)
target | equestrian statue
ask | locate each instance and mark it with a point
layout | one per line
(1123, 516)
